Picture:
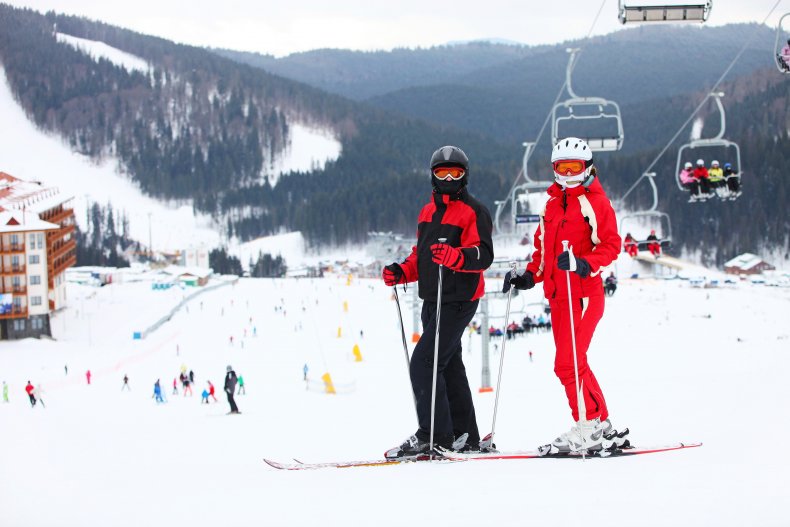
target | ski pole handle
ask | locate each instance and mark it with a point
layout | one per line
(565, 244)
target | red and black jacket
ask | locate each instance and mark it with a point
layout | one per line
(466, 223)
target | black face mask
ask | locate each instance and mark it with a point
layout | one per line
(443, 186)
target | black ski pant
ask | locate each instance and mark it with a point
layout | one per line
(233, 407)
(455, 411)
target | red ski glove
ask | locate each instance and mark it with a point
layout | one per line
(393, 274)
(448, 256)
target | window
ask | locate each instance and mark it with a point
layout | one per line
(34, 259)
(36, 323)
(19, 324)
(35, 300)
(32, 241)
(35, 279)
(14, 239)
(40, 240)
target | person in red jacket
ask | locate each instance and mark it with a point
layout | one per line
(465, 225)
(654, 244)
(578, 211)
(30, 393)
(631, 246)
(703, 178)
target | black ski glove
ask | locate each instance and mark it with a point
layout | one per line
(393, 274)
(525, 281)
(582, 267)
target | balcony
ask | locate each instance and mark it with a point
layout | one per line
(12, 248)
(12, 270)
(64, 264)
(16, 312)
(60, 249)
(57, 217)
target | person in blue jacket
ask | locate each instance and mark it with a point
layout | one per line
(158, 392)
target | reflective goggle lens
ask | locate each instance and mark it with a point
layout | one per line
(569, 167)
(451, 172)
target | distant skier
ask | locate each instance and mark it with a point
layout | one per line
(187, 386)
(175, 386)
(579, 211)
(126, 383)
(653, 244)
(530, 355)
(702, 177)
(733, 181)
(211, 391)
(610, 284)
(191, 377)
(30, 389)
(88, 376)
(452, 213)
(688, 180)
(304, 372)
(204, 396)
(66, 369)
(230, 389)
(158, 392)
(242, 389)
(784, 57)
(5, 392)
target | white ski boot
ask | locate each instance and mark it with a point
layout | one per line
(612, 438)
(583, 435)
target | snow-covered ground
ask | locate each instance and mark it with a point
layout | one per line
(309, 149)
(676, 363)
(100, 50)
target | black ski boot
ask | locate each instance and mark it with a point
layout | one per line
(414, 447)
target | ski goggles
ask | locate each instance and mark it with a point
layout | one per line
(454, 173)
(570, 167)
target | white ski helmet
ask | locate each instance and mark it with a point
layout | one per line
(572, 148)
(688, 164)
(714, 163)
(700, 163)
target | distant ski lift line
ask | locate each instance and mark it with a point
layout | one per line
(664, 13)
(607, 112)
(781, 37)
(664, 222)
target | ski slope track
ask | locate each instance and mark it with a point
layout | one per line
(674, 362)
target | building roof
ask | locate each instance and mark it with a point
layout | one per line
(23, 221)
(32, 196)
(198, 272)
(744, 261)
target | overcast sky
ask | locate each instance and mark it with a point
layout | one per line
(281, 27)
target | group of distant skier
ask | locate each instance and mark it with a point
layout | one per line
(188, 379)
(576, 238)
(704, 183)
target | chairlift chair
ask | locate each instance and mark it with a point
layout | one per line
(697, 12)
(781, 35)
(689, 150)
(663, 222)
(517, 197)
(587, 109)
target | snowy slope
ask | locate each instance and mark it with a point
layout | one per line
(675, 363)
(100, 50)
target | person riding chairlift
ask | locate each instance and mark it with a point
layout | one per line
(733, 180)
(701, 175)
(716, 176)
(688, 180)
(653, 244)
(630, 246)
(784, 57)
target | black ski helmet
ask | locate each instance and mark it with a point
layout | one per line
(450, 156)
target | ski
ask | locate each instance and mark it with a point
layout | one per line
(534, 454)
(298, 465)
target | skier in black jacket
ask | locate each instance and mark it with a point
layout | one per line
(452, 213)
(230, 389)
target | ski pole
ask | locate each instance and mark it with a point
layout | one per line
(436, 351)
(405, 346)
(579, 395)
(502, 354)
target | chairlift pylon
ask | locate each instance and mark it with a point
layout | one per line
(779, 45)
(718, 141)
(667, 13)
(602, 110)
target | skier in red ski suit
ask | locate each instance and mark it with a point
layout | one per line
(579, 211)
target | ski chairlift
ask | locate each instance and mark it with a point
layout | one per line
(689, 151)
(520, 213)
(663, 225)
(697, 12)
(781, 64)
(589, 109)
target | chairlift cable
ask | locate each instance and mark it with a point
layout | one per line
(701, 104)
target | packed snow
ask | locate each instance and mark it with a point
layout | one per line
(99, 50)
(676, 363)
(308, 149)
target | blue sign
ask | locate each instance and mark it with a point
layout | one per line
(527, 218)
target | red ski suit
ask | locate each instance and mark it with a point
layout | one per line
(583, 216)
